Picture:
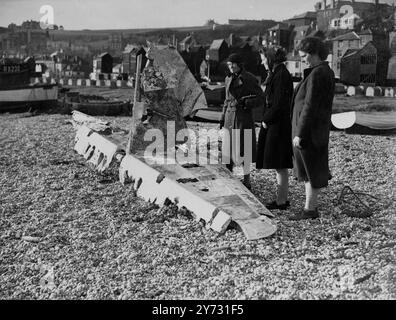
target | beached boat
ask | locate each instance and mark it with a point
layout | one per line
(93, 105)
(17, 92)
(373, 120)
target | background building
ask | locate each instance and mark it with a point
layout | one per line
(359, 66)
(103, 63)
(129, 58)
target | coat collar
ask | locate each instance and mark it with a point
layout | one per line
(275, 70)
(278, 67)
(231, 77)
(308, 71)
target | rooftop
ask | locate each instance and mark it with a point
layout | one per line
(305, 15)
(216, 44)
(348, 36)
(279, 26)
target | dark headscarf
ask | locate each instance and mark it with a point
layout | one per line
(235, 58)
(275, 55)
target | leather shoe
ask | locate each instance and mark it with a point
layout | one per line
(305, 215)
(274, 206)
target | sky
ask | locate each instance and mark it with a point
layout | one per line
(129, 14)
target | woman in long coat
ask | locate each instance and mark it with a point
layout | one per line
(311, 122)
(274, 150)
(243, 94)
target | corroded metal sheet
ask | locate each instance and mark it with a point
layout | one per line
(210, 192)
(168, 71)
(95, 148)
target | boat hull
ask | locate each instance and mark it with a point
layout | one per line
(372, 120)
(28, 96)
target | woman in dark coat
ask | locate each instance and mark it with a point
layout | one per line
(243, 94)
(311, 121)
(274, 150)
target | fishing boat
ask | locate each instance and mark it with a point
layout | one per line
(18, 92)
(93, 105)
(372, 120)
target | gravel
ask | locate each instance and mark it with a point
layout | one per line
(69, 233)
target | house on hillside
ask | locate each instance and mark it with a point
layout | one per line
(347, 21)
(197, 55)
(391, 74)
(59, 62)
(341, 45)
(304, 19)
(115, 42)
(49, 63)
(295, 65)
(129, 58)
(329, 11)
(218, 50)
(103, 63)
(74, 71)
(359, 66)
(368, 64)
(300, 33)
(357, 40)
(279, 35)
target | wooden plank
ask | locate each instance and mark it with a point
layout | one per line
(137, 111)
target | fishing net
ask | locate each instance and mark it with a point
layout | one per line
(359, 204)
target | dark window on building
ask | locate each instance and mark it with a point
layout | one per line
(367, 78)
(369, 59)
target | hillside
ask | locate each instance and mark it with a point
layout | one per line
(204, 34)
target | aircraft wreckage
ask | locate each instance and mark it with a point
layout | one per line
(169, 93)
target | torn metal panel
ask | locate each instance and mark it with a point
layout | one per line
(96, 149)
(168, 71)
(256, 228)
(93, 123)
(151, 188)
(209, 192)
(81, 139)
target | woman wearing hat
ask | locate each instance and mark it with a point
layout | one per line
(243, 94)
(274, 150)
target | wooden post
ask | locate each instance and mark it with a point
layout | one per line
(208, 69)
(136, 99)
